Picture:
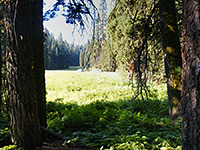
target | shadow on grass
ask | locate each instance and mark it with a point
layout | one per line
(4, 132)
(119, 125)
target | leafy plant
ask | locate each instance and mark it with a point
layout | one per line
(102, 114)
(4, 132)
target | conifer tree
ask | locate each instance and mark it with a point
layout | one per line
(172, 55)
(191, 76)
(25, 71)
(23, 23)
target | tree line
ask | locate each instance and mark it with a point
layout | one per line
(144, 33)
(58, 53)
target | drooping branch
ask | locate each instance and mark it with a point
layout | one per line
(141, 60)
(74, 11)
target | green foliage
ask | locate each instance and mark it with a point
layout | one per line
(13, 147)
(59, 54)
(134, 36)
(74, 55)
(4, 90)
(4, 132)
(82, 88)
(98, 52)
(106, 117)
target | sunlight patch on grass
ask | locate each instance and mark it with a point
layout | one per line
(95, 109)
(86, 87)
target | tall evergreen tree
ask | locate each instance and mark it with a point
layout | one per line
(61, 55)
(172, 55)
(25, 70)
(1, 101)
(133, 31)
(23, 22)
(191, 76)
(56, 52)
(88, 53)
(37, 43)
(1, 63)
(47, 48)
(74, 56)
(102, 27)
(81, 56)
(97, 45)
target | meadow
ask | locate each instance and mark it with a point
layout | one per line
(97, 110)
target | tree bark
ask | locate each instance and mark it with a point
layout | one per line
(22, 58)
(172, 55)
(191, 76)
(1, 51)
(1, 101)
(39, 64)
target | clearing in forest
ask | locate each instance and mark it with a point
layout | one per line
(95, 109)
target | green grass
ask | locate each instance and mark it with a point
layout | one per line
(95, 109)
(84, 88)
(73, 68)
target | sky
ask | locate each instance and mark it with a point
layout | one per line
(58, 25)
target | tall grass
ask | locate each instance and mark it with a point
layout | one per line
(84, 88)
(96, 109)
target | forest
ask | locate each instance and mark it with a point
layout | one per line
(58, 53)
(133, 86)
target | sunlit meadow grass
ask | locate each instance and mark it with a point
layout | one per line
(96, 109)
(86, 87)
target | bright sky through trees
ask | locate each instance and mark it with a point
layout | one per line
(58, 25)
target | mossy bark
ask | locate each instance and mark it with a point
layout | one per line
(191, 76)
(172, 55)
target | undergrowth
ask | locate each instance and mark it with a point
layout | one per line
(4, 132)
(97, 109)
(116, 125)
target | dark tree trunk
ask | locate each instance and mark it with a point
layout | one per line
(39, 64)
(1, 84)
(1, 101)
(24, 49)
(191, 76)
(172, 55)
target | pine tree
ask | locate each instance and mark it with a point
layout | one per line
(56, 52)
(191, 76)
(81, 57)
(1, 101)
(25, 70)
(172, 55)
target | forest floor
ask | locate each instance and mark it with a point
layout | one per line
(54, 141)
(57, 144)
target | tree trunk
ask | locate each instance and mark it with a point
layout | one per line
(39, 64)
(22, 69)
(1, 83)
(191, 76)
(172, 55)
(1, 101)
